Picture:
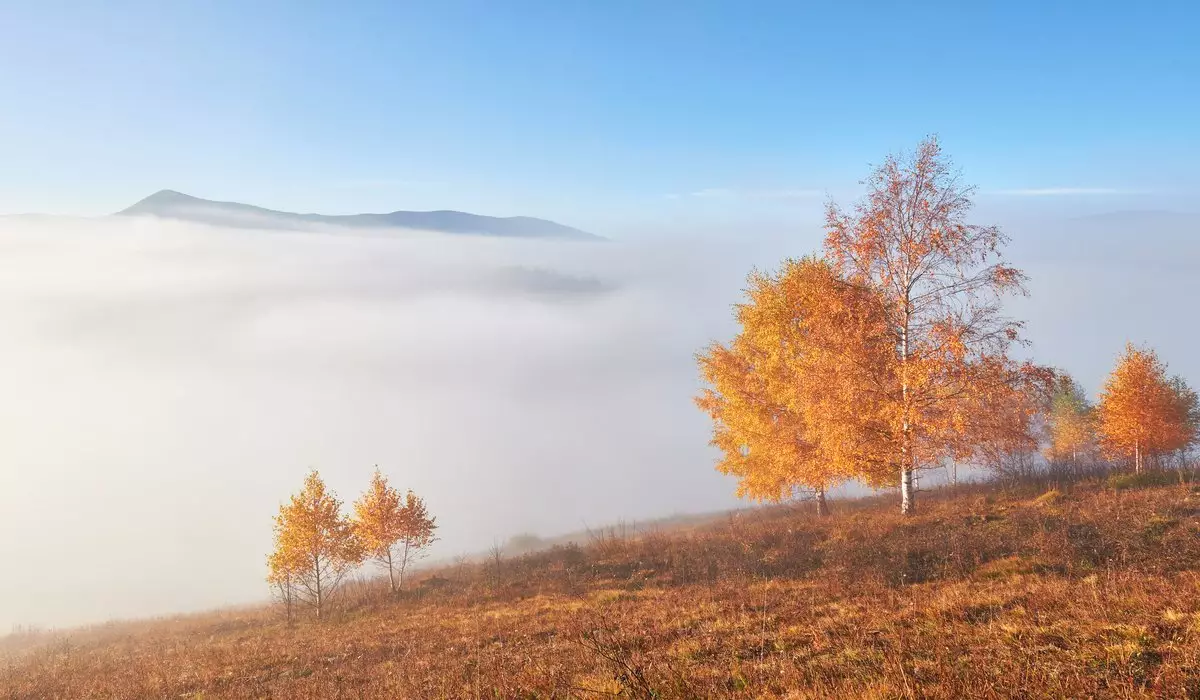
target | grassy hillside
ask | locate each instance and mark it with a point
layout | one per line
(1087, 589)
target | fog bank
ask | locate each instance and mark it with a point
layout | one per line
(168, 385)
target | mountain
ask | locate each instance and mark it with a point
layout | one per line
(169, 204)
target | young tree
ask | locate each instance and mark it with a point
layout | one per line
(315, 545)
(1070, 423)
(282, 578)
(379, 521)
(1142, 412)
(941, 281)
(778, 423)
(1002, 429)
(1188, 406)
(417, 533)
(761, 442)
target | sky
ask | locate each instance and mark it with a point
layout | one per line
(167, 385)
(620, 117)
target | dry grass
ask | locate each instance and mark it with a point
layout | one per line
(1075, 591)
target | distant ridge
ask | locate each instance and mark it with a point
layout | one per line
(170, 204)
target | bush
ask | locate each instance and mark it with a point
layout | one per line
(1147, 479)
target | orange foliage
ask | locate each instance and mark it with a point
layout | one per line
(1000, 424)
(778, 420)
(417, 532)
(940, 281)
(315, 545)
(380, 523)
(890, 356)
(1070, 423)
(1142, 412)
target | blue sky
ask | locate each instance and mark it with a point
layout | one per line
(606, 115)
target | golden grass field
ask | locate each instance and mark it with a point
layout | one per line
(1076, 590)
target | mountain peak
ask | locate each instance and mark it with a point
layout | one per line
(165, 196)
(172, 204)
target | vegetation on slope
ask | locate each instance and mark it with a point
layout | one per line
(1034, 590)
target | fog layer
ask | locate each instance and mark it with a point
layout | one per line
(166, 386)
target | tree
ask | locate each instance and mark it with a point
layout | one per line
(1142, 412)
(1070, 423)
(941, 281)
(282, 578)
(1003, 427)
(315, 545)
(778, 425)
(417, 533)
(379, 520)
(1188, 405)
(496, 555)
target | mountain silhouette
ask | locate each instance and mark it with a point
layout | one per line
(169, 204)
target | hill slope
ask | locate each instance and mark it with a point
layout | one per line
(176, 205)
(1023, 592)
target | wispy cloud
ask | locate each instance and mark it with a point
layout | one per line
(380, 184)
(714, 193)
(770, 194)
(1059, 191)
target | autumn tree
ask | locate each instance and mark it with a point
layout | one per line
(761, 443)
(1188, 406)
(1070, 423)
(1003, 428)
(941, 281)
(315, 546)
(418, 532)
(1143, 413)
(379, 521)
(779, 426)
(282, 579)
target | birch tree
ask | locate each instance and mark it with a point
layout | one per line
(418, 532)
(1143, 413)
(315, 545)
(379, 521)
(1070, 424)
(941, 280)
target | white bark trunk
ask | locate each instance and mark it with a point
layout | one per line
(319, 593)
(391, 571)
(906, 462)
(822, 505)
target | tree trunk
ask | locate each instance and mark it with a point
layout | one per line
(1137, 457)
(288, 594)
(822, 506)
(391, 571)
(317, 577)
(906, 471)
(403, 562)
